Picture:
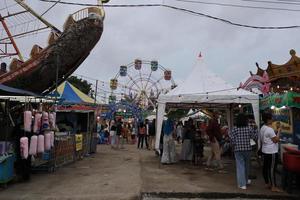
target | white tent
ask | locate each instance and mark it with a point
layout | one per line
(203, 88)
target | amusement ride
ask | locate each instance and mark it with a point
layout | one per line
(141, 82)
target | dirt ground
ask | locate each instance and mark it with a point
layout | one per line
(125, 174)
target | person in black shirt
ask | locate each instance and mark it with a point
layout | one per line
(152, 134)
(119, 132)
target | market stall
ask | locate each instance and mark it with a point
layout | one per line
(203, 89)
(76, 115)
(27, 125)
(286, 110)
(280, 88)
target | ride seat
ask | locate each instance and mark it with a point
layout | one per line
(36, 49)
(15, 64)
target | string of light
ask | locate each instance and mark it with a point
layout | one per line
(180, 9)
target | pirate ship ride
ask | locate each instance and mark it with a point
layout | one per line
(66, 50)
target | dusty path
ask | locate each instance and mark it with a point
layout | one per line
(108, 174)
(124, 174)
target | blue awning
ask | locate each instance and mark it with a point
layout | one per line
(10, 91)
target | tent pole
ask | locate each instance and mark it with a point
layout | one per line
(159, 121)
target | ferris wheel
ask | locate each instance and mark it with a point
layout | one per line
(141, 82)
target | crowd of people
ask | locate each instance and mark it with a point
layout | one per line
(244, 139)
(119, 132)
(241, 141)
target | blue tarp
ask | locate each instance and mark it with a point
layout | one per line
(9, 91)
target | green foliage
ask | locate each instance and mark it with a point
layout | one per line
(82, 85)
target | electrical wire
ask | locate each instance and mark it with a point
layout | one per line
(182, 10)
(230, 22)
(50, 8)
(238, 6)
(273, 2)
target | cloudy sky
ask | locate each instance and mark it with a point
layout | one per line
(175, 38)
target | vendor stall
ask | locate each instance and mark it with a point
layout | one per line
(280, 88)
(286, 110)
(26, 125)
(76, 115)
(203, 90)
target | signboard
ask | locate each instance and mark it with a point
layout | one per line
(78, 140)
(283, 116)
(290, 99)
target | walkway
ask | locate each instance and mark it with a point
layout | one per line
(123, 175)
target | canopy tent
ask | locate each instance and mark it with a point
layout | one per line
(204, 89)
(9, 91)
(68, 94)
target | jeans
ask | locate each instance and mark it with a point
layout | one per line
(242, 160)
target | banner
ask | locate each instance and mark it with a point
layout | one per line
(288, 99)
(78, 140)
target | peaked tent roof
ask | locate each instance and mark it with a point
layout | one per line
(203, 82)
(70, 94)
(204, 87)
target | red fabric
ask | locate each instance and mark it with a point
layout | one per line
(76, 108)
(213, 130)
(291, 150)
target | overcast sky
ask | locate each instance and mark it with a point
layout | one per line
(175, 38)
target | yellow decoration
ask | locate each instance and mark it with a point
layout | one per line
(78, 140)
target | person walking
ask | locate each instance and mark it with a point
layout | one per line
(119, 128)
(187, 145)
(214, 133)
(134, 132)
(269, 147)
(112, 134)
(147, 133)
(240, 137)
(179, 131)
(141, 135)
(152, 128)
(169, 151)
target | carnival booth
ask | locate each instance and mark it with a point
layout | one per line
(27, 131)
(280, 87)
(286, 110)
(76, 118)
(203, 89)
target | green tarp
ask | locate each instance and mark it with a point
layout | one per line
(288, 99)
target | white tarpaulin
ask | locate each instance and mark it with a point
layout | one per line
(204, 87)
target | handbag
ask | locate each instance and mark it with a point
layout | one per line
(259, 151)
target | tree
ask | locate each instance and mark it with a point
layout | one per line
(82, 85)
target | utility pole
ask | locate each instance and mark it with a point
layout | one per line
(96, 91)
